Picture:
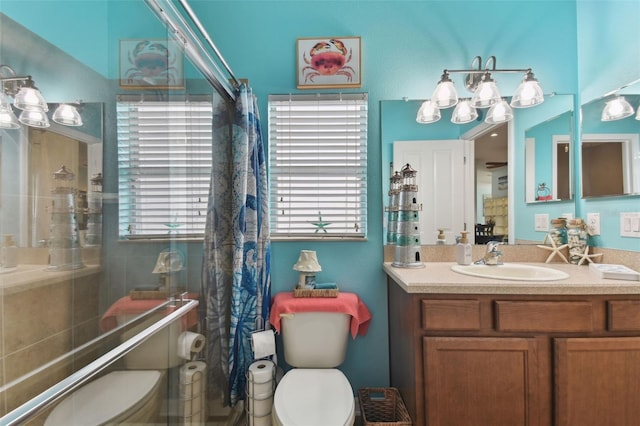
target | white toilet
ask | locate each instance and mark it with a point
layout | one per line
(314, 392)
(133, 395)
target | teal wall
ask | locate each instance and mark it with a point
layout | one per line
(405, 47)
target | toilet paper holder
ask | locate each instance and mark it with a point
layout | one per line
(259, 394)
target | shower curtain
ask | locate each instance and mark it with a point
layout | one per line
(236, 255)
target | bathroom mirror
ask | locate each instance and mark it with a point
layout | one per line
(611, 149)
(548, 152)
(29, 158)
(398, 124)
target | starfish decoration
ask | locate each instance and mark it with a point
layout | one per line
(587, 257)
(554, 249)
(320, 225)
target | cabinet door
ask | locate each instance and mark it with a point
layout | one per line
(597, 381)
(481, 381)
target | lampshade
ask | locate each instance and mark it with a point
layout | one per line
(445, 94)
(34, 118)
(616, 109)
(29, 98)
(428, 113)
(307, 262)
(68, 115)
(8, 119)
(528, 93)
(464, 112)
(499, 113)
(486, 94)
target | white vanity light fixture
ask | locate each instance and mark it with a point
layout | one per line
(8, 119)
(28, 99)
(464, 112)
(428, 113)
(499, 113)
(67, 115)
(480, 82)
(617, 109)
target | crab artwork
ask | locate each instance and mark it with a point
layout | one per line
(152, 64)
(328, 58)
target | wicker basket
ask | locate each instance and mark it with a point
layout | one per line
(383, 407)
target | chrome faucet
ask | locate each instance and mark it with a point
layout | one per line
(492, 256)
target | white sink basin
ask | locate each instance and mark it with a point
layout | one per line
(511, 271)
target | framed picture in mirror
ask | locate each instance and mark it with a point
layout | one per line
(156, 64)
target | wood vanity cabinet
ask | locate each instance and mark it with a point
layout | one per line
(516, 359)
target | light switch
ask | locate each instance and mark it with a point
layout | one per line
(630, 224)
(542, 222)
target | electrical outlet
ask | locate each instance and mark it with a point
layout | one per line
(542, 222)
(593, 223)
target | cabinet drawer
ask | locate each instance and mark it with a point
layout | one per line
(450, 314)
(544, 316)
(624, 315)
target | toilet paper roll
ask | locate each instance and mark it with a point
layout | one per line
(263, 344)
(260, 407)
(260, 383)
(260, 421)
(189, 343)
(193, 392)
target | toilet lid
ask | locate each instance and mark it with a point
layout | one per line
(314, 397)
(106, 398)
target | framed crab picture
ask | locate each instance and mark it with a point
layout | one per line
(151, 64)
(325, 63)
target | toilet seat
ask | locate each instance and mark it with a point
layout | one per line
(106, 399)
(313, 397)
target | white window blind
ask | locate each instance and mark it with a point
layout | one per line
(164, 166)
(318, 165)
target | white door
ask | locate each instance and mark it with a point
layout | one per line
(445, 185)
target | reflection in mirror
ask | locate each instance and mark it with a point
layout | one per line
(398, 124)
(30, 156)
(548, 165)
(610, 150)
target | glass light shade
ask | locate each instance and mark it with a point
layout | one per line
(464, 112)
(428, 113)
(30, 98)
(445, 95)
(68, 115)
(8, 119)
(486, 94)
(34, 118)
(528, 93)
(638, 113)
(616, 109)
(499, 113)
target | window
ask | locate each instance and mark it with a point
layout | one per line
(318, 165)
(164, 166)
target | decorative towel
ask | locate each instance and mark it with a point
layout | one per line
(128, 306)
(348, 303)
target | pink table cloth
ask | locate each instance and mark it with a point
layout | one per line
(348, 303)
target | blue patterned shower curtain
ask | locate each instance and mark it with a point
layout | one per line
(236, 279)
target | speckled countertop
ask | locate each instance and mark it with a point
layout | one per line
(438, 278)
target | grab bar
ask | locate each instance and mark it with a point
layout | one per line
(80, 377)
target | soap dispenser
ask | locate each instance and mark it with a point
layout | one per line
(9, 253)
(463, 250)
(441, 239)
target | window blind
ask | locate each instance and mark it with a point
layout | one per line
(318, 165)
(164, 167)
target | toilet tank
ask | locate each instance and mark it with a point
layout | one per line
(315, 339)
(158, 352)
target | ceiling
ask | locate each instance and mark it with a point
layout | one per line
(491, 147)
